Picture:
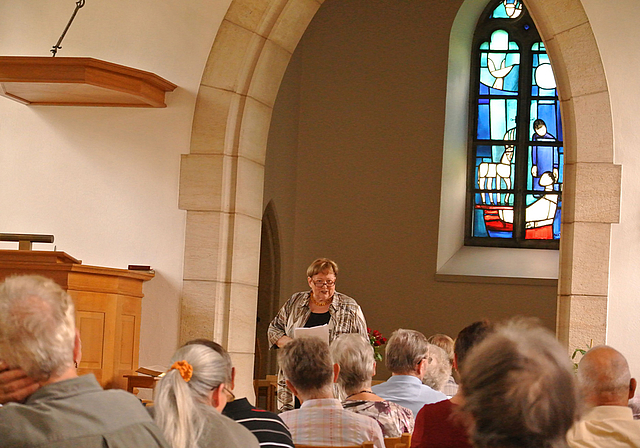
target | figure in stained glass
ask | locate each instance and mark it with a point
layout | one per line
(515, 179)
(491, 175)
(545, 158)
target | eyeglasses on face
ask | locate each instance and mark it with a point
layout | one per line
(321, 283)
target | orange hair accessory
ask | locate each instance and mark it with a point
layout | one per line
(184, 368)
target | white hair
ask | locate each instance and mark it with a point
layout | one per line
(37, 326)
(181, 407)
(438, 368)
(354, 354)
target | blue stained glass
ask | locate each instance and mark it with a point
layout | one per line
(538, 46)
(479, 229)
(484, 46)
(483, 122)
(484, 89)
(507, 9)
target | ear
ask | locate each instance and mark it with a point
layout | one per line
(374, 368)
(455, 362)
(422, 368)
(77, 348)
(233, 378)
(218, 400)
(336, 372)
(309, 281)
(290, 386)
(632, 388)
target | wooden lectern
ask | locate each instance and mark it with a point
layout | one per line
(108, 308)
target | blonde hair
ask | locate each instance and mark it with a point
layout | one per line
(322, 265)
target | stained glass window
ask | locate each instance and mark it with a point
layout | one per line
(516, 154)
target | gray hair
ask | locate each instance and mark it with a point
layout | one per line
(37, 326)
(438, 368)
(354, 354)
(519, 389)
(604, 371)
(182, 407)
(221, 351)
(405, 350)
(307, 364)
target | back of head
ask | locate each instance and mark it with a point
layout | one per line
(438, 368)
(354, 354)
(405, 349)
(604, 377)
(182, 396)
(37, 326)
(469, 337)
(519, 389)
(444, 342)
(307, 364)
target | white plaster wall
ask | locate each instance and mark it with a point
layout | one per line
(104, 181)
(615, 28)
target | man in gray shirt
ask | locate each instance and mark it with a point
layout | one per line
(38, 335)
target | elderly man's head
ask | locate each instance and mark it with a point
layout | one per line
(307, 366)
(604, 377)
(37, 327)
(519, 389)
(406, 353)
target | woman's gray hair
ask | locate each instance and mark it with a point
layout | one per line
(438, 368)
(37, 326)
(519, 389)
(354, 354)
(405, 350)
(182, 408)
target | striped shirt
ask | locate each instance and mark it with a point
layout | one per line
(324, 422)
(346, 317)
(268, 428)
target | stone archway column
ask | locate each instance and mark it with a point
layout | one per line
(221, 179)
(592, 182)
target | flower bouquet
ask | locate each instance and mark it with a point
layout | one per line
(376, 340)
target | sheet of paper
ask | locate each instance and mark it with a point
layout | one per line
(321, 331)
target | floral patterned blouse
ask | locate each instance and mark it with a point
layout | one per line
(392, 418)
(346, 317)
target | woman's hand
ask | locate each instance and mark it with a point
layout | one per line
(15, 385)
(284, 340)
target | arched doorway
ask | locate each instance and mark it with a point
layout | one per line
(222, 178)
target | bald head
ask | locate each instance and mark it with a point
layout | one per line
(604, 377)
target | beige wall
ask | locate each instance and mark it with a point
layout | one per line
(368, 82)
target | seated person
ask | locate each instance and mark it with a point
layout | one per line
(189, 400)
(406, 358)
(38, 336)
(438, 425)
(446, 343)
(519, 389)
(268, 428)
(309, 374)
(606, 384)
(438, 371)
(354, 355)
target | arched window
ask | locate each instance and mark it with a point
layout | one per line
(514, 186)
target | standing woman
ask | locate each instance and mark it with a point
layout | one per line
(319, 306)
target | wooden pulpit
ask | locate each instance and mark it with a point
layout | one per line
(108, 307)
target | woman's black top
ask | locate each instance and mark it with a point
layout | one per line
(317, 319)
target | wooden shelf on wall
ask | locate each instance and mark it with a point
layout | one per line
(61, 81)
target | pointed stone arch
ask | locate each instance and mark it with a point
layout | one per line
(221, 180)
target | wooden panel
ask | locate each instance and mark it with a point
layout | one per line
(91, 327)
(108, 309)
